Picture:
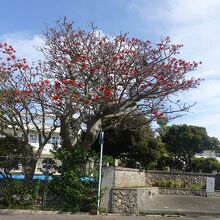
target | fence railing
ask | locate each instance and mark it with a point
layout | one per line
(13, 167)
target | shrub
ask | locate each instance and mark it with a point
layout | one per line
(15, 194)
(67, 192)
(176, 184)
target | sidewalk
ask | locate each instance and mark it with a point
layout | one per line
(188, 205)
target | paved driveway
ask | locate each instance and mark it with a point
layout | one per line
(185, 204)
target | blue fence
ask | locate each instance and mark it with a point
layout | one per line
(42, 177)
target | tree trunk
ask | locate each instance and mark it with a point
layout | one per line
(30, 162)
(68, 133)
(189, 164)
(29, 168)
(92, 132)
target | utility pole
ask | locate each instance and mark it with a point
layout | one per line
(101, 142)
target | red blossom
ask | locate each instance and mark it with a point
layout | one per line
(92, 70)
(84, 66)
(55, 97)
(64, 81)
(76, 96)
(71, 81)
(107, 92)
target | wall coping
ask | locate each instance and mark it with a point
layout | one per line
(180, 173)
(184, 189)
(128, 169)
(133, 188)
(165, 172)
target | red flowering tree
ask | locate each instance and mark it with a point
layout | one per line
(85, 78)
(24, 105)
(112, 76)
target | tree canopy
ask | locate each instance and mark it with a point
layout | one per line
(185, 141)
(205, 165)
(133, 141)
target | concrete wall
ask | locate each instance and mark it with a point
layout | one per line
(188, 192)
(107, 185)
(144, 195)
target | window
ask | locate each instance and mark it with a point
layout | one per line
(2, 136)
(55, 140)
(32, 138)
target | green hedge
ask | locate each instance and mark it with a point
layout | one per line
(177, 184)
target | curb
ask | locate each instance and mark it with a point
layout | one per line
(178, 213)
(141, 213)
(37, 212)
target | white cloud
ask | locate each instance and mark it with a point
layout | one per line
(148, 11)
(194, 23)
(189, 11)
(25, 45)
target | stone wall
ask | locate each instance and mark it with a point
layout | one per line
(195, 178)
(133, 185)
(124, 201)
(127, 177)
(131, 200)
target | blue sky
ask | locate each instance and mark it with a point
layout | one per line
(194, 23)
(112, 16)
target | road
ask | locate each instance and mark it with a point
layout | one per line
(89, 217)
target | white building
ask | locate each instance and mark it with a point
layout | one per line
(54, 142)
(209, 154)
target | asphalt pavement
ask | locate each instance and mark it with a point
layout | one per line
(94, 217)
(161, 207)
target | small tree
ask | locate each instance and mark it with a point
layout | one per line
(24, 105)
(11, 155)
(185, 141)
(68, 191)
